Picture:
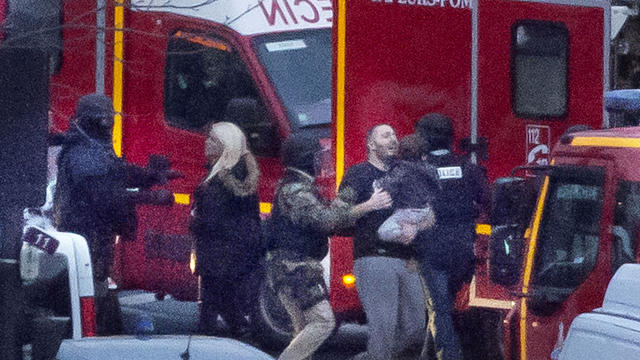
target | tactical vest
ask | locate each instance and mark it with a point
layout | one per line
(303, 241)
(454, 202)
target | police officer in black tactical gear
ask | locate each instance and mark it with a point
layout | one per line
(92, 197)
(297, 240)
(446, 251)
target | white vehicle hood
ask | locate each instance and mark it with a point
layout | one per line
(158, 347)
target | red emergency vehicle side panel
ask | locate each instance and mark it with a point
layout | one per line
(401, 63)
(516, 139)
(507, 132)
(403, 59)
(74, 79)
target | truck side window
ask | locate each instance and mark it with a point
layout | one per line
(202, 74)
(625, 224)
(539, 69)
(569, 233)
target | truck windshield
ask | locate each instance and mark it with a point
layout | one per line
(625, 224)
(570, 227)
(299, 65)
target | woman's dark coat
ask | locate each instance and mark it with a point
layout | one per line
(226, 222)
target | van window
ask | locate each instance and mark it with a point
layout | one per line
(202, 74)
(625, 224)
(539, 69)
(299, 66)
(569, 233)
(36, 23)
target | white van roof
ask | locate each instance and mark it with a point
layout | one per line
(623, 293)
(598, 336)
(249, 17)
(613, 331)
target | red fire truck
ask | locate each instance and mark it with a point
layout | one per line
(517, 73)
(513, 75)
(584, 227)
(171, 68)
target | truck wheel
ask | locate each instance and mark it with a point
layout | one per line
(272, 325)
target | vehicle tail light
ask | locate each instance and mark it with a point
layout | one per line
(192, 261)
(349, 281)
(88, 313)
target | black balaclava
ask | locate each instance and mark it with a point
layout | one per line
(436, 131)
(299, 151)
(94, 115)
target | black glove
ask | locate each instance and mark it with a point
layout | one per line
(158, 163)
(161, 167)
(153, 197)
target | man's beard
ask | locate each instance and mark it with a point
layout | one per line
(388, 160)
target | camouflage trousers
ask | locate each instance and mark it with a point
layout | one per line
(300, 287)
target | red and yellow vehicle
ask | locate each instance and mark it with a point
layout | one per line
(513, 76)
(171, 67)
(585, 226)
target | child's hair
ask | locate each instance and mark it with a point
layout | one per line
(410, 148)
(410, 185)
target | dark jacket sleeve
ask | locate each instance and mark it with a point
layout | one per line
(307, 210)
(139, 176)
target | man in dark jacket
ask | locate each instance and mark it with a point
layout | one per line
(387, 279)
(92, 197)
(446, 251)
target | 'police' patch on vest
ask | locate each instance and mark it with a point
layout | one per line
(452, 172)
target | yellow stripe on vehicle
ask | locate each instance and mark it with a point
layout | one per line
(606, 142)
(476, 301)
(118, 45)
(340, 90)
(265, 207)
(529, 265)
(182, 199)
(483, 229)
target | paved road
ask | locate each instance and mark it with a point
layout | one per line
(176, 317)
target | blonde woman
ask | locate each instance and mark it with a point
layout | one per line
(226, 227)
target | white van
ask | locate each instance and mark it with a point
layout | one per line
(611, 332)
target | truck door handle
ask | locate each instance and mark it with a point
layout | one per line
(520, 294)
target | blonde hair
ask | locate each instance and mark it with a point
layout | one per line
(234, 147)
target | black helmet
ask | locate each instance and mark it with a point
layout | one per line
(299, 151)
(94, 114)
(435, 130)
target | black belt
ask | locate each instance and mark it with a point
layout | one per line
(405, 254)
